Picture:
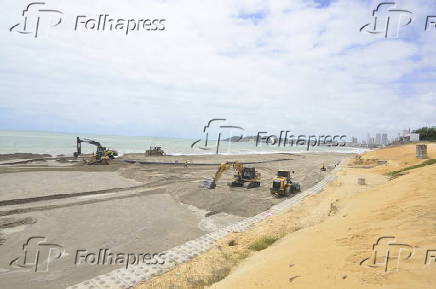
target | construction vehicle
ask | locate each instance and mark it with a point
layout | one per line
(154, 151)
(282, 184)
(244, 176)
(323, 168)
(101, 156)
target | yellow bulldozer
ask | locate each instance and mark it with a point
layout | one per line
(244, 176)
(155, 151)
(282, 184)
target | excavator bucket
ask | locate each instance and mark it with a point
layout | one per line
(208, 184)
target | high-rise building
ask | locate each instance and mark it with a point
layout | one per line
(378, 139)
(385, 140)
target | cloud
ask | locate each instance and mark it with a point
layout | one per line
(264, 65)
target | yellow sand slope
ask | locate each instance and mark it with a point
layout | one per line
(332, 252)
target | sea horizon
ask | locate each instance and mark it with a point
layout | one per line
(64, 143)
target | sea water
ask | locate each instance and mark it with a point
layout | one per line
(65, 143)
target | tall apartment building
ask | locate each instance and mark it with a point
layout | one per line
(378, 139)
(384, 139)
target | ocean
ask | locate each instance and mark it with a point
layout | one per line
(65, 143)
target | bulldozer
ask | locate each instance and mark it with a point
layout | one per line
(244, 176)
(282, 184)
(154, 151)
(101, 156)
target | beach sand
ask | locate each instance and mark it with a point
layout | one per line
(144, 208)
(327, 240)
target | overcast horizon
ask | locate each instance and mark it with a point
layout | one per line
(298, 65)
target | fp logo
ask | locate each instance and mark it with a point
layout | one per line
(209, 126)
(387, 20)
(34, 16)
(387, 254)
(37, 255)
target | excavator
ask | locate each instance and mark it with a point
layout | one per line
(102, 155)
(282, 184)
(243, 176)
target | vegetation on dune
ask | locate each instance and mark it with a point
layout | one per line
(402, 171)
(262, 243)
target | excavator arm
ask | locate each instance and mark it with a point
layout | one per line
(102, 154)
(211, 183)
(90, 141)
(79, 145)
(221, 169)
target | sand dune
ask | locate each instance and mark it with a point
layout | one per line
(327, 240)
(328, 255)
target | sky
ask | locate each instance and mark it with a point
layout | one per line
(298, 65)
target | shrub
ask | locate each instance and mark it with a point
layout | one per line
(262, 243)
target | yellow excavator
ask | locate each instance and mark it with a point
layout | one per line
(101, 156)
(282, 184)
(243, 176)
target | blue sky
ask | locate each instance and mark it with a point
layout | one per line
(300, 65)
(323, 3)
